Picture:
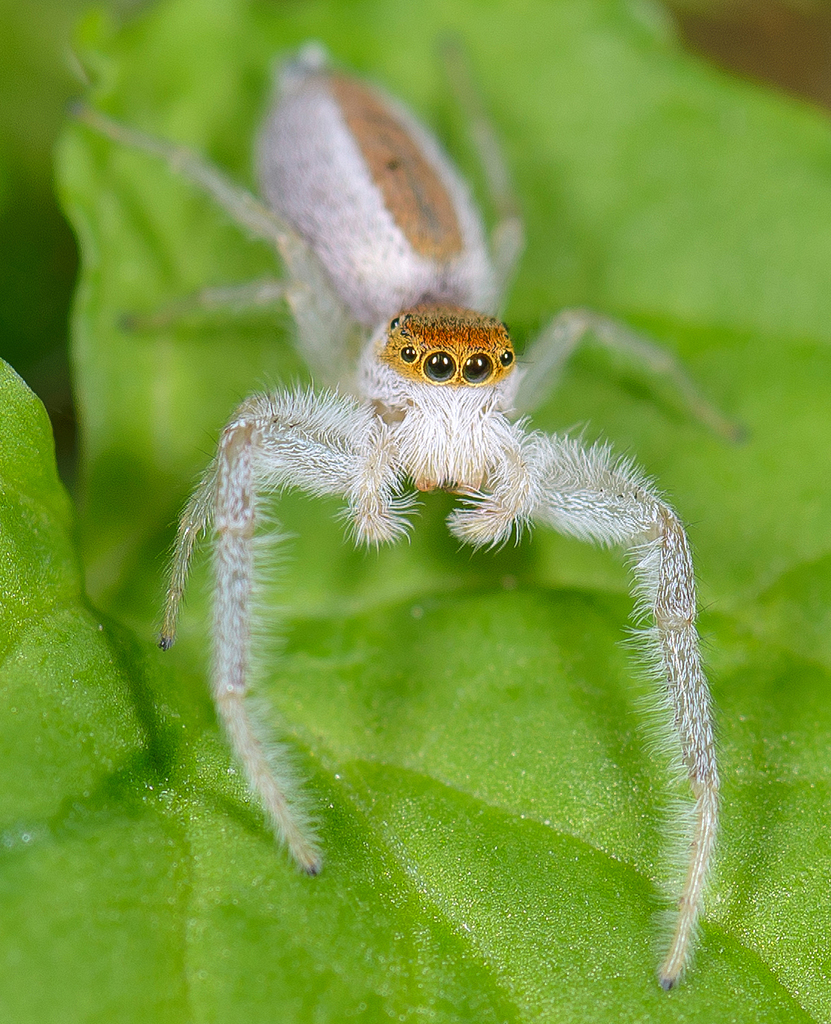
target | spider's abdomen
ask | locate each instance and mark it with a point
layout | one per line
(371, 191)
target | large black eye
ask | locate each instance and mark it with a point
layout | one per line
(507, 357)
(394, 324)
(477, 368)
(409, 354)
(439, 366)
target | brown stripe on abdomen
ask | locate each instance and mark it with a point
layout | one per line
(413, 192)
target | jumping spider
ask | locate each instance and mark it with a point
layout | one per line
(379, 235)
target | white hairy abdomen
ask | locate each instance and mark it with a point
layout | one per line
(313, 172)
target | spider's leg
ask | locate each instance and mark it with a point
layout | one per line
(234, 299)
(322, 444)
(195, 518)
(325, 329)
(546, 356)
(240, 205)
(235, 520)
(507, 239)
(585, 493)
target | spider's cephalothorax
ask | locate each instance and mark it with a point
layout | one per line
(447, 346)
(443, 378)
(380, 239)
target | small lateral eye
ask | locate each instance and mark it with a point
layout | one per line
(409, 354)
(394, 323)
(439, 366)
(507, 357)
(477, 368)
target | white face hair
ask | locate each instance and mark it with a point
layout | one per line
(379, 239)
(443, 379)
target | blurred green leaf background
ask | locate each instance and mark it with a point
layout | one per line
(492, 807)
(38, 258)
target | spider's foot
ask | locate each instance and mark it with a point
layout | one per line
(373, 527)
(486, 525)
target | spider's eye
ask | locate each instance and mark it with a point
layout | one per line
(409, 354)
(439, 366)
(506, 358)
(477, 368)
(394, 323)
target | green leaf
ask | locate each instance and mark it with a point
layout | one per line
(492, 806)
(83, 855)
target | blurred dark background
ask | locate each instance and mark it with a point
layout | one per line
(38, 256)
(786, 43)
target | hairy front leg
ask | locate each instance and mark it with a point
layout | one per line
(322, 444)
(586, 493)
(235, 522)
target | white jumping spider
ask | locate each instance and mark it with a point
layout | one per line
(378, 235)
